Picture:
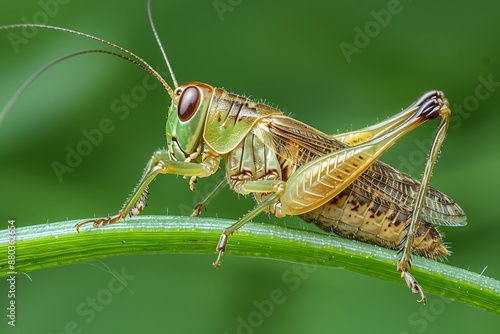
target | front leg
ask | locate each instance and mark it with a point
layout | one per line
(160, 163)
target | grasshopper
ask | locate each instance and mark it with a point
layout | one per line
(334, 182)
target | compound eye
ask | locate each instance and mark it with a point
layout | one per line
(188, 103)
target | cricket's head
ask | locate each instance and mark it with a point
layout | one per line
(186, 120)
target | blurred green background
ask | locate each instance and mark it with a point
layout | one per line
(289, 54)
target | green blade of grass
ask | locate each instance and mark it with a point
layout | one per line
(57, 244)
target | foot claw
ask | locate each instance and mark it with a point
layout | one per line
(197, 210)
(77, 226)
(221, 247)
(216, 264)
(99, 222)
(414, 286)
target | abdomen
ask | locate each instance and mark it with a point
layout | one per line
(351, 215)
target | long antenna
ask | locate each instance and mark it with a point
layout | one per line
(28, 82)
(150, 15)
(148, 67)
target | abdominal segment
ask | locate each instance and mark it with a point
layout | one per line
(353, 216)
